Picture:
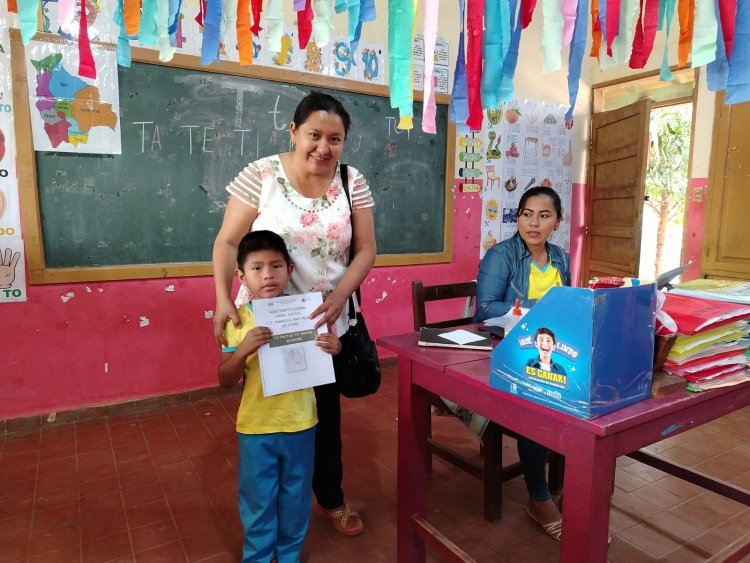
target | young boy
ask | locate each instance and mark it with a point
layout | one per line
(276, 434)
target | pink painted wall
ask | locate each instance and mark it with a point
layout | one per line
(59, 351)
(695, 213)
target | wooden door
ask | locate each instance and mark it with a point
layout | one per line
(727, 231)
(618, 153)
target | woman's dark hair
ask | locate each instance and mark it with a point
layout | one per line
(541, 190)
(318, 101)
(256, 241)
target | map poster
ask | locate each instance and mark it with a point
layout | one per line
(70, 113)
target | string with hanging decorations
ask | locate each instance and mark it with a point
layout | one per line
(712, 33)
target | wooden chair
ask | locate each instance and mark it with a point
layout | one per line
(491, 471)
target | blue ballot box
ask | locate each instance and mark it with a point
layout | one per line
(586, 352)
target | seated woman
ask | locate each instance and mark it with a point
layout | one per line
(525, 267)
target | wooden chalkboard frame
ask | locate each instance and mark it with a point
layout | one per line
(37, 271)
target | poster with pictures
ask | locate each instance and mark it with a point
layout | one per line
(525, 143)
(371, 62)
(288, 55)
(12, 269)
(441, 69)
(314, 58)
(99, 20)
(343, 61)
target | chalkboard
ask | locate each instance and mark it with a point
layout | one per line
(187, 132)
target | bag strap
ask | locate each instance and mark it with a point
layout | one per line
(344, 170)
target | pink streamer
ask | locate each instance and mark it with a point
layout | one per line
(430, 35)
(568, 8)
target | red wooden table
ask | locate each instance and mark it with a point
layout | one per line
(590, 447)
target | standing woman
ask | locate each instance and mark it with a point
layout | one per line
(299, 195)
(525, 267)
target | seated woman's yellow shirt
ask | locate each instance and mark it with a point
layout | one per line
(542, 279)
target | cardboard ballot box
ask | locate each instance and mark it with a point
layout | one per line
(582, 351)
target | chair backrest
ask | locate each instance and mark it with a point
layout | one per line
(421, 293)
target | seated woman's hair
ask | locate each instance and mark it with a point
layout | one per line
(541, 190)
(255, 241)
(318, 101)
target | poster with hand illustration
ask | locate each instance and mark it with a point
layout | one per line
(12, 270)
(525, 143)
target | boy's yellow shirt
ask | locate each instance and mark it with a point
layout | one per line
(289, 412)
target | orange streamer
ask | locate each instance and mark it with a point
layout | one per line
(596, 30)
(131, 15)
(244, 35)
(12, 6)
(686, 12)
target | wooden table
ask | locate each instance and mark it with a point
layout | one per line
(590, 447)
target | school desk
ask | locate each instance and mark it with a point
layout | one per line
(590, 447)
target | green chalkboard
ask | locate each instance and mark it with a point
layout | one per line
(186, 133)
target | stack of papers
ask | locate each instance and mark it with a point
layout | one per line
(722, 290)
(452, 338)
(712, 340)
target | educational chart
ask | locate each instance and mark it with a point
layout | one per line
(70, 113)
(524, 143)
(12, 262)
(441, 70)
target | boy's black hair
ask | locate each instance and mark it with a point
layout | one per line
(256, 241)
(318, 101)
(541, 190)
(544, 330)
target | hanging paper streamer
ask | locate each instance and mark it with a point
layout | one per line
(527, 11)
(256, 6)
(65, 12)
(340, 6)
(367, 13)
(666, 13)
(645, 31)
(211, 32)
(244, 35)
(123, 42)
(459, 108)
(612, 23)
(274, 24)
(596, 30)
(400, 26)
(728, 13)
(568, 9)
(27, 23)
(86, 65)
(511, 58)
(174, 18)
(552, 30)
(685, 9)
(322, 22)
(147, 27)
(228, 23)
(492, 44)
(622, 44)
(704, 34)
(738, 80)
(352, 11)
(166, 51)
(131, 15)
(716, 71)
(475, 26)
(431, 9)
(575, 57)
(304, 22)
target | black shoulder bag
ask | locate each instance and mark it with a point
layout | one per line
(357, 367)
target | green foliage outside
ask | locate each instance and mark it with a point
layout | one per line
(667, 172)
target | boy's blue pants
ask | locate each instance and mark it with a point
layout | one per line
(275, 493)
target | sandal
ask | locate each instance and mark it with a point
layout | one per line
(553, 529)
(343, 519)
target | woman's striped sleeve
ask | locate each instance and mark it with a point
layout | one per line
(247, 185)
(361, 195)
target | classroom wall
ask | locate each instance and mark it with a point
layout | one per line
(74, 345)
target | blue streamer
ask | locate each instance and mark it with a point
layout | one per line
(492, 49)
(511, 58)
(211, 32)
(174, 16)
(718, 69)
(123, 41)
(738, 79)
(666, 13)
(459, 108)
(575, 56)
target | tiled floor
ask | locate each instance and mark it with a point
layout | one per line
(160, 486)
